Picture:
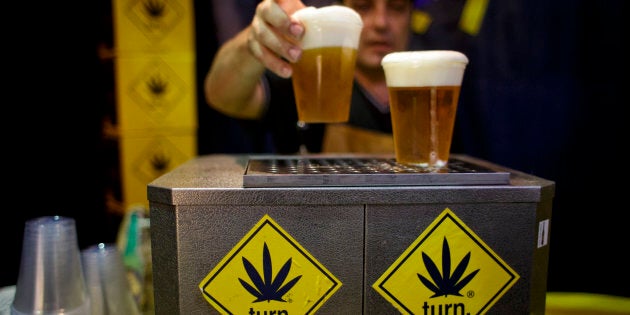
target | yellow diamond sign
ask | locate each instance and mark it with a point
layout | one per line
(268, 272)
(448, 269)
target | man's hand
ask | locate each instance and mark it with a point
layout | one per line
(274, 36)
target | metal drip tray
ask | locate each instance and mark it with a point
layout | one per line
(307, 171)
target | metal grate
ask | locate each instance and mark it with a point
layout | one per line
(297, 171)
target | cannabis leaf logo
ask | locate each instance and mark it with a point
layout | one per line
(157, 85)
(160, 161)
(446, 283)
(155, 8)
(268, 289)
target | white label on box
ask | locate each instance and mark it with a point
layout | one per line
(543, 233)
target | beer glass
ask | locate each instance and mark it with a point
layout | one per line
(424, 89)
(322, 78)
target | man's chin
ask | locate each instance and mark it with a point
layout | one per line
(373, 58)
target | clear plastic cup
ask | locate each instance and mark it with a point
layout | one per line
(50, 280)
(424, 89)
(323, 77)
(106, 278)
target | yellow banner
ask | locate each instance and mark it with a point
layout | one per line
(156, 91)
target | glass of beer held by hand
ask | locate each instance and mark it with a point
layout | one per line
(424, 89)
(322, 78)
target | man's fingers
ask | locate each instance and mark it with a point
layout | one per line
(290, 6)
(277, 65)
(273, 14)
(273, 37)
(272, 60)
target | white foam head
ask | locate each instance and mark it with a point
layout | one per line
(333, 25)
(424, 68)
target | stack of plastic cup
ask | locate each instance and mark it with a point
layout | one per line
(51, 280)
(106, 278)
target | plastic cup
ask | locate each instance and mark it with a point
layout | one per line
(106, 278)
(323, 77)
(424, 89)
(50, 280)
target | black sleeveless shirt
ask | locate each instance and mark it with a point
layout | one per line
(280, 119)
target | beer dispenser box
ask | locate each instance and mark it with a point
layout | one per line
(348, 234)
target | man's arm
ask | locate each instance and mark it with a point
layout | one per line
(233, 84)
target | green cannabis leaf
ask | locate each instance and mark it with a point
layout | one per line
(446, 283)
(268, 289)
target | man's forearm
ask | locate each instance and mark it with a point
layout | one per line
(232, 86)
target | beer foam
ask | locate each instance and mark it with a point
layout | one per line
(333, 25)
(424, 68)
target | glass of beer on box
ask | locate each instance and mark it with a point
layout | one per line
(323, 77)
(424, 89)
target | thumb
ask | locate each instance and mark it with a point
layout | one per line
(290, 6)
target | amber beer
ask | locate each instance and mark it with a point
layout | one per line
(323, 89)
(323, 77)
(424, 89)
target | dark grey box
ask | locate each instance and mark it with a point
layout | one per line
(352, 238)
